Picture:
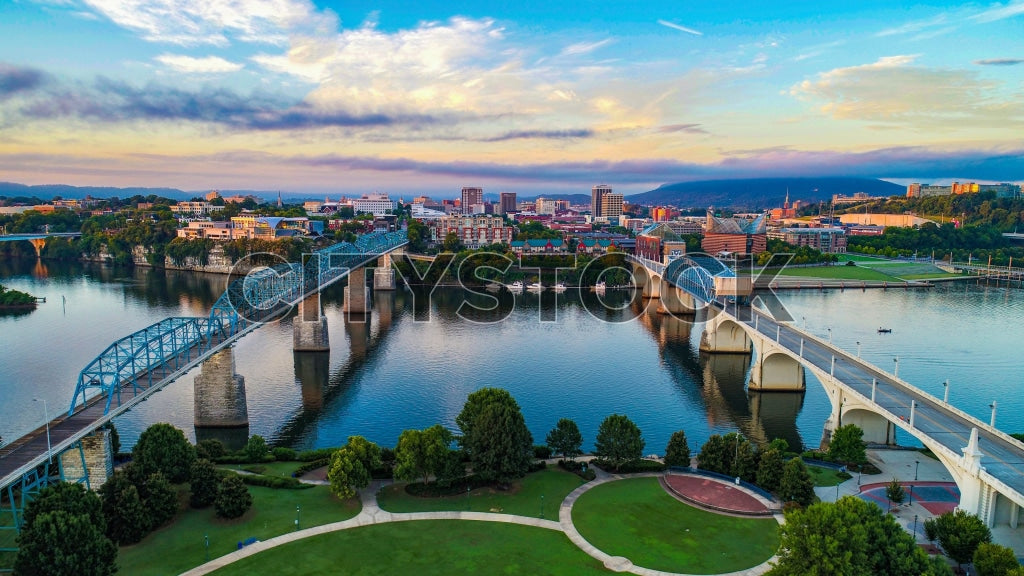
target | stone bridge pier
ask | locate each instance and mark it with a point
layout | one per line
(384, 273)
(221, 411)
(774, 368)
(38, 244)
(309, 327)
(357, 297)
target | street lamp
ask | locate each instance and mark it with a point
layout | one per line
(945, 391)
(896, 370)
(296, 517)
(993, 407)
(46, 414)
(917, 463)
(207, 539)
(805, 322)
(858, 348)
(915, 527)
(542, 506)
(830, 335)
(911, 494)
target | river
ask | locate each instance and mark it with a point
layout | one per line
(413, 364)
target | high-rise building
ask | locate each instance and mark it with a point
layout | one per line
(508, 202)
(470, 196)
(597, 194)
(611, 205)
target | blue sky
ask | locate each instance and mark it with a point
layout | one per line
(526, 96)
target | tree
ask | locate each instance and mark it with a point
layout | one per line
(127, 519)
(494, 435)
(796, 484)
(895, 492)
(210, 448)
(744, 464)
(677, 453)
(850, 536)
(233, 498)
(115, 438)
(161, 500)
(163, 448)
(63, 535)
(255, 448)
(349, 468)
(421, 453)
(715, 455)
(452, 469)
(452, 242)
(994, 560)
(565, 439)
(618, 440)
(769, 470)
(959, 534)
(203, 482)
(847, 445)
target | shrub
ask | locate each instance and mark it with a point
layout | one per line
(275, 482)
(541, 452)
(233, 498)
(210, 449)
(631, 467)
(256, 448)
(313, 455)
(284, 454)
(203, 483)
(309, 467)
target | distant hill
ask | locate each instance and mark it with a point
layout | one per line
(757, 193)
(48, 191)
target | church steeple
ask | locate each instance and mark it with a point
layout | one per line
(786, 204)
(280, 203)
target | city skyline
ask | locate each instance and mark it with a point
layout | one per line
(330, 97)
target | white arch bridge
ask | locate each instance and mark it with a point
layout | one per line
(986, 463)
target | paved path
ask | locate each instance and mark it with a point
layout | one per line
(371, 514)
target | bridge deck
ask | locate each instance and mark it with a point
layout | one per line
(1003, 457)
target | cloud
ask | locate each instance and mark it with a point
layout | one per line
(107, 100)
(1000, 12)
(17, 79)
(680, 28)
(1000, 62)
(688, 128)
(190, 65)
(585, 47)
(194, 22)
(894, 91)
(916, 26)
(540, 134)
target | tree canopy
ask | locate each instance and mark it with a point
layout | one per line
(565, 439)
(422, 453)
(64, 535)
(796, 484)
(349, 468)
(495, 436)
(847, 445)
(163, 448)
(677, 453)
(619, 440)
(959, 533)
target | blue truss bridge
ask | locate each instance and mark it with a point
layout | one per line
(133, 367)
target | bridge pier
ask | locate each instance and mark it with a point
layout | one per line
(220, 394)
(38, 244)
(357, 298)
(93, 462)
(724, 335)
(309, 327)
(775, 371)
(676, 301)
(384, 274)
(652, 287)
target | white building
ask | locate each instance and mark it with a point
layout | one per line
(376, 204)
(192, 208)
(421, 212)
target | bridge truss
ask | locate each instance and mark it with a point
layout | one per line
(696, 273)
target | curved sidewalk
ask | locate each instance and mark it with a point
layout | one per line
(371, 514)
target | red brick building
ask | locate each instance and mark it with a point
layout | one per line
(735, 235)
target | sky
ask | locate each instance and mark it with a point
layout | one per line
(406, 97)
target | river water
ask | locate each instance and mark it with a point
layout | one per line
(413, 364)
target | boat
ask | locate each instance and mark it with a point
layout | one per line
(493, 287)
(516, 286)
(560, 287)
(600, 287)
(885, 330)
(535, 287)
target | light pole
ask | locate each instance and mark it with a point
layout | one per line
(858, 348)
(896, 370)
(911, 494)
(830, 335)
(297, 518)
(945, 391)
(805, 322)
(915, 527)
(46, 414)
(993, 407)
(542, 506)
(917, 463)
(837, 492)
(207, 539)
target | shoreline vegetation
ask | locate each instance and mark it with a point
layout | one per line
(15, 300)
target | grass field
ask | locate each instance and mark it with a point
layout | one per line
(837, 273)
(637, 519)
(523, 499)
(282, 469)
(179, 546)
(825, 476)
(425, 548)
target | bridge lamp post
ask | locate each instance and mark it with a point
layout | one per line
(830, 335)
(917, 463)
(858, 348)
(46, 414)
(945, 391)
(993, 407)
(896, 370)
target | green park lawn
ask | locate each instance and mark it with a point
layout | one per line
(424, 548)
(825, 476)
(282, 469)
(179, 546)
(637, 519)
(524, 498)
(838, 273)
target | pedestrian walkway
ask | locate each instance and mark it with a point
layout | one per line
(372, 514)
